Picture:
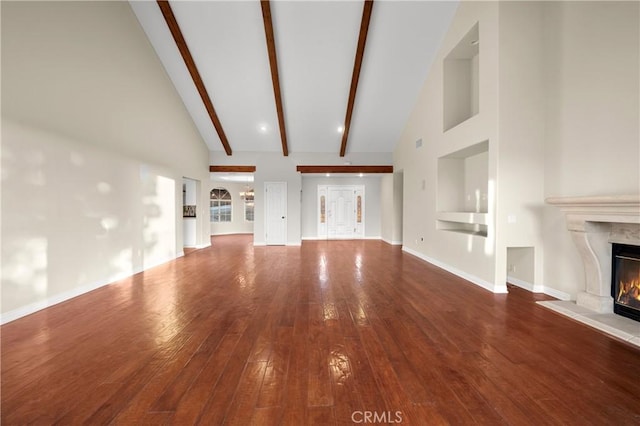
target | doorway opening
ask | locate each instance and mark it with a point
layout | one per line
(231, 203)
(190, 227)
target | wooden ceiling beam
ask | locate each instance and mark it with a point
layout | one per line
(362, 41)
(275, 77)
(172, 23)
(344, 169)
(232, 169)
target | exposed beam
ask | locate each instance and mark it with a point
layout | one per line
(345, 169)
(362, 41)
(275, 77)
(170, 19)
(232, 169)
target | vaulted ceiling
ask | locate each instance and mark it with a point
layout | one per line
(230, 61)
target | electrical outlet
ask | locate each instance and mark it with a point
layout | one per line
(511, 268)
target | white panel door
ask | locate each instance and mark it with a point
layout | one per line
(275, 195)
(341, 212)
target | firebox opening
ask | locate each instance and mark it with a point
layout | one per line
(625, 280)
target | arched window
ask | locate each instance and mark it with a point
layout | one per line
(220, 205)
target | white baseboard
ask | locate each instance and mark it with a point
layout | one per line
(561, 295)
(289, 244)
(539, 288)
(392, 242)
(74, 292)
(180, 254)
(525, 285)
(339, 239)
(471, 278)
(201, 246)
(59, 298)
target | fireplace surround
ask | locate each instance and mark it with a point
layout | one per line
(595, 223)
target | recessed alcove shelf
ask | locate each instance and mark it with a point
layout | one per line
(464, 217)
(461, 88)
(463, 187)
(462, 228)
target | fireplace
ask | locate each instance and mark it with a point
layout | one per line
(625, 280)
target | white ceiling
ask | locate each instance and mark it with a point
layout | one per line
(316, 46)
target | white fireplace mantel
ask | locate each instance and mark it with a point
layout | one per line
(594, 223)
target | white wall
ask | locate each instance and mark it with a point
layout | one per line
(559, 104)
(95, 143)
(398, 184)
(238, 224)
(391, 212)
(373, 204)
(470, 255)
(386, 209)
(592, 137)
(521, 125)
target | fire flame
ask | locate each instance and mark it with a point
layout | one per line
(629, 292)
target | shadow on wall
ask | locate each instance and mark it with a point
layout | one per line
(75, 217)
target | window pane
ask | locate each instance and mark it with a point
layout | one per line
(215, 214)
(225, 211)
(248, 211)
(220, 194)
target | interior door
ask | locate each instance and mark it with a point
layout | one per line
(275, 195)
(341, 212)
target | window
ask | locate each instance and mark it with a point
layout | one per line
(248, 204)
(220, 205)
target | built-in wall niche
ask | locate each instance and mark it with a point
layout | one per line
(521, 267)
(463, 190)
(461, 88)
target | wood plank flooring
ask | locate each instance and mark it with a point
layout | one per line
(330, 333)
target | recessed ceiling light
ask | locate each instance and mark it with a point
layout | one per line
(263, 128)
(361, 174)
(340, 129)
(328, 174)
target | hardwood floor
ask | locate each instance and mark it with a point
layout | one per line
(341, 332)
